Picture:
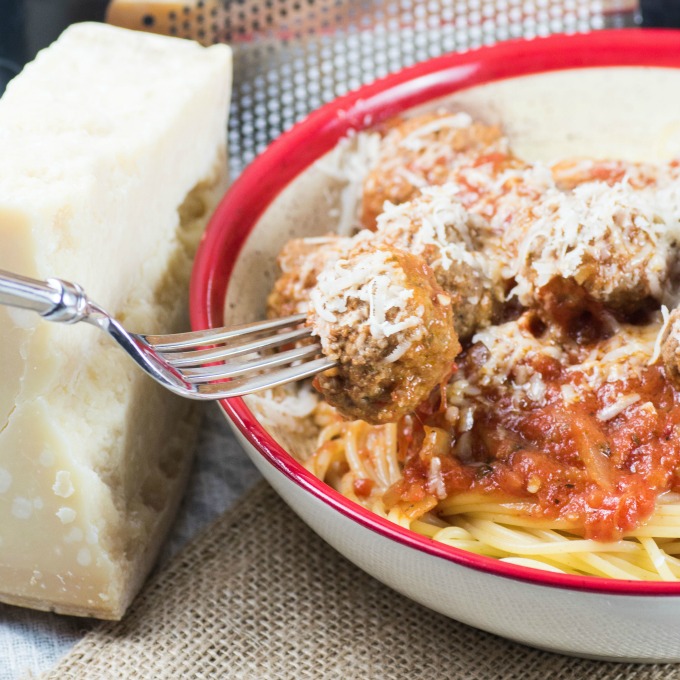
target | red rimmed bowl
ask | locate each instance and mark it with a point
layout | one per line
(603, 94)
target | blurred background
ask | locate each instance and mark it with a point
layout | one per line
(291, 56)
(28, 25)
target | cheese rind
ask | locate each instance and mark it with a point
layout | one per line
(105, 140)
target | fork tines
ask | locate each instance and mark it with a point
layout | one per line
(205, 359)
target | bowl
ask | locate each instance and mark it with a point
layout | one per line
(602, 94)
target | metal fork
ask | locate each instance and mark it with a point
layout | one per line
(213, 364)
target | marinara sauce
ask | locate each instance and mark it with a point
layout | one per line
(572, 463)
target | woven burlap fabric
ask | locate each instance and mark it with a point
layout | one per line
(258, 595)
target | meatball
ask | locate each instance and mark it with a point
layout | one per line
(459, 247)
(381, 315)
(424, 150)
(572, 314)
(300, 262)
(615, 242)
(500, 196)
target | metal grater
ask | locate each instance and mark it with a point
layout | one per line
(292, 56)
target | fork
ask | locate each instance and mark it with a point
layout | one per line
(205, 365)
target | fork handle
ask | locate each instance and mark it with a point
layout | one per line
(54, 299)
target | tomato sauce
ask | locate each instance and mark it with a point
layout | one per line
(597, 478)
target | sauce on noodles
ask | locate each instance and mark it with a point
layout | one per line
(599, 479)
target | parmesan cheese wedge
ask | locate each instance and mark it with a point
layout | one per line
(112, 156)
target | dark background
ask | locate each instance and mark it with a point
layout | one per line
(29, 25)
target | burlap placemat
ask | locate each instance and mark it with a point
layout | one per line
(258, 595)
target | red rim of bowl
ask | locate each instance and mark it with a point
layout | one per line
(296, 149)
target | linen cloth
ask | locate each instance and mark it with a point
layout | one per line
(258, 595)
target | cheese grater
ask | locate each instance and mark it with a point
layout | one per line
(292, 56)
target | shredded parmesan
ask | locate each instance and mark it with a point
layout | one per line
(509, 349)
(618, 407)
(435, 219)
(414, 141)
(512, 349)
(614, 238)
(435, 480)
(621, 357)
(370, 291)
(661, 335)
(569, 394)
(348, 164)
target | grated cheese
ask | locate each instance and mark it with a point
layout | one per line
(618, 407)
(434, 219)
(414, 140)
(614, 237)
(661, 335)
(369, 292)
(621, 357)
(435, 480)
(509, 349)
(349, 164)
(569, 394)
(302, 260)
(501, 197)
(414, 154)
